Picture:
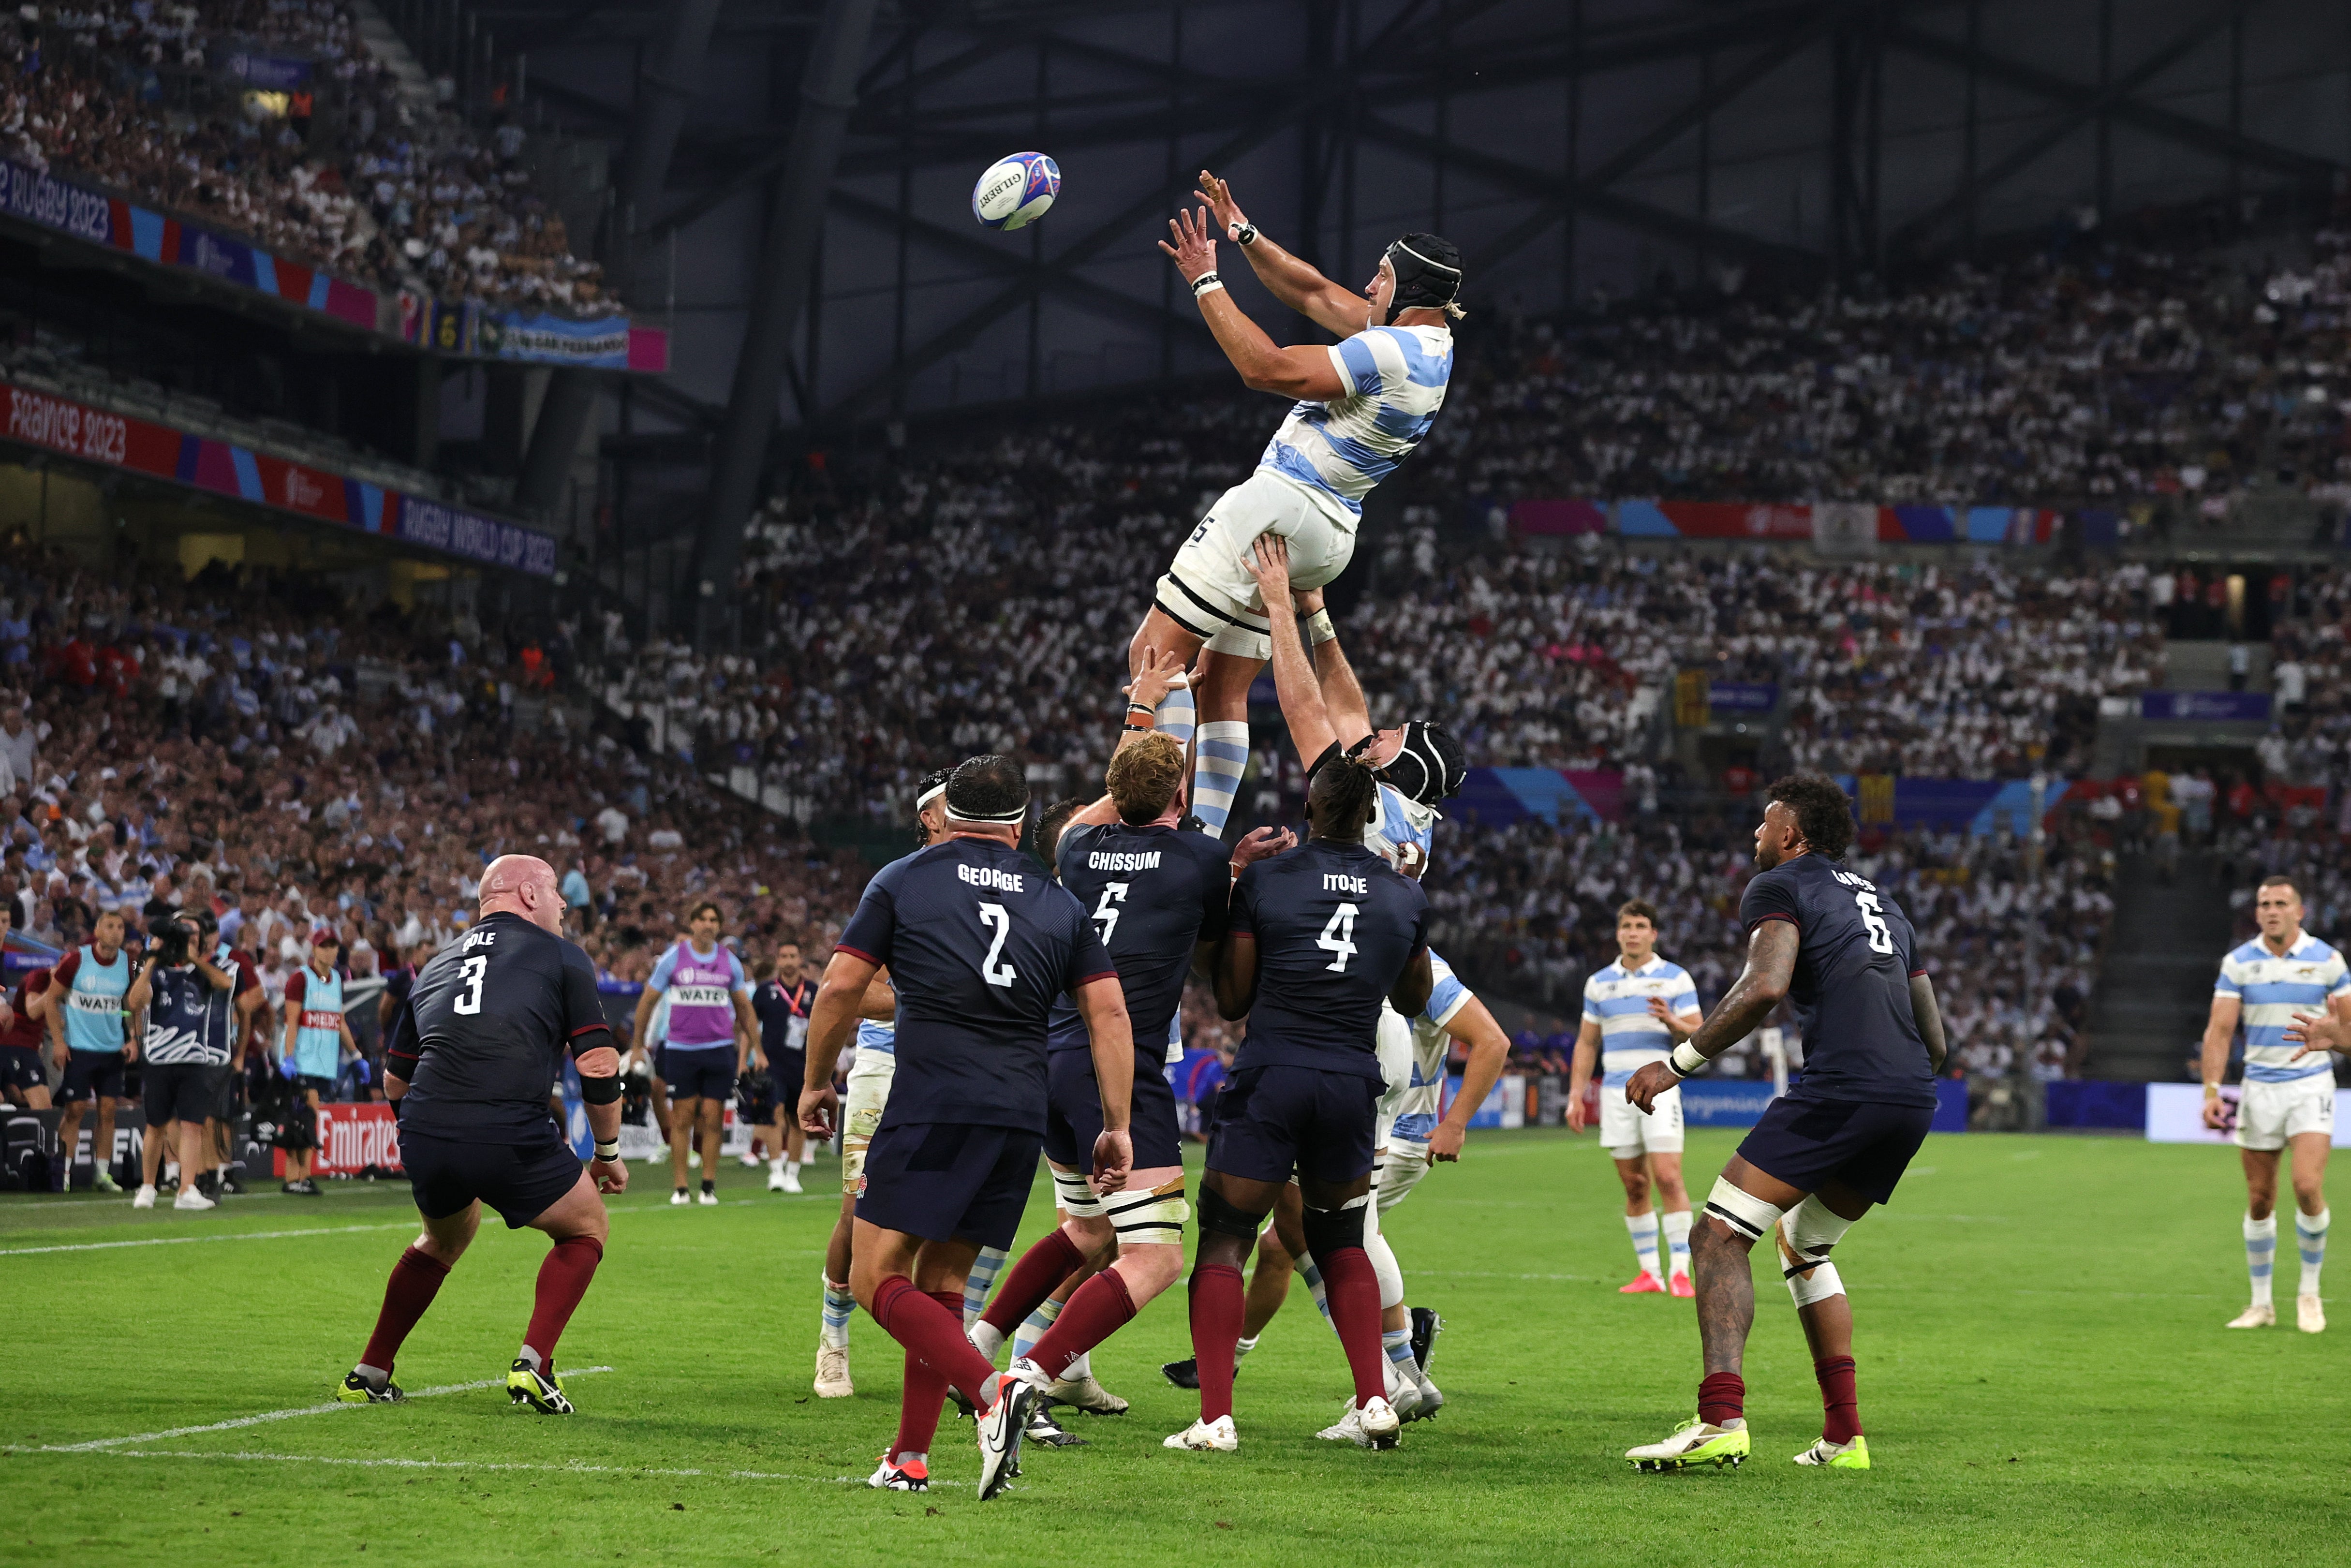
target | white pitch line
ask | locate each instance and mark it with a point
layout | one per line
(277, 1234)
(484, 1466)
(327, 1409)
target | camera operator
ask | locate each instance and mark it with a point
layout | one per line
(187, 990)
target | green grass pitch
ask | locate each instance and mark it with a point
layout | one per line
(2043, 1377)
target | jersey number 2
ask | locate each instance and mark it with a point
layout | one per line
(994, 973)
(1881, 940)
(469, 1000)
(1339, 937)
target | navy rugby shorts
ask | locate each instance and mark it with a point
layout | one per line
(699, 1074)
(1274, 1120)
(941, 1180)
(1808, 1143)
(521, 1181)
(1073, 1113)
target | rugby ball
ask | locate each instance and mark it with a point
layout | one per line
(1016, 192)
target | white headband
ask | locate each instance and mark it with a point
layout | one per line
(931, 794)
(999, 819)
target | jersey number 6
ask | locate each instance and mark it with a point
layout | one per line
(469, 1001)
(1881, 940)
(994, 973)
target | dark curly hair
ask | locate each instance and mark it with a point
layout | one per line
(1343, 794)
(1823, 813)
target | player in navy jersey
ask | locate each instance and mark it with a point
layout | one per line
(487, 1026)
(1315, 941)
(980, 946)
(1840, 948)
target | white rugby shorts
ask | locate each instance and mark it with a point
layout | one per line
(861, 1112)
(1209, 590)
(1394, 1042)
(2269, 1114)
(1627, 1135)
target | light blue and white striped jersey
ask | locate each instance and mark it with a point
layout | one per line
(1338, 450)
(877, 1037)
(1423, 1098)
(1617, 999)
(2273, 989)
(1402, 820)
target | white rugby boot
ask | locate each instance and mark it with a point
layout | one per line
(1206, 1436)
(2260, 1315)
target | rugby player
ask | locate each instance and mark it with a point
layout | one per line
(2288, 1100)
(1634, 1012)
(781, 1004)
(981, 946)
(486, 1023)
(870, 1076)
(1842, 950)
(711, 1028)
(1363, 406)
(1314, 939)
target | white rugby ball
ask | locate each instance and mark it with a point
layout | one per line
(1015, 192)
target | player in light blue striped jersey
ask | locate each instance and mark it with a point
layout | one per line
(1634, 1012)
(2288, 1098)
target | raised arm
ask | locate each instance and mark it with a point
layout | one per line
(1335, 309)
(1264, 365)
(1294, 685)
(1343, 694)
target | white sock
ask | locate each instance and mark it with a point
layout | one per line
(1221, 757)
(1678, 1230)
(1033, 1328)
(2261, 1255)
(1176, 717)
(1242, 1347)
(839, 1302)
(2310, 1233)
(1643, 1229)
(1079, 1369)
(777, 1165)
(791, 1168)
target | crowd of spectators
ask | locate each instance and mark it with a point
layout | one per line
(352, 176)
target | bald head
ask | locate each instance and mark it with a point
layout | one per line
(524, 885)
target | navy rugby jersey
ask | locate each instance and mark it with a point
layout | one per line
(1334, 929)
(1852, 984)
(980, 944)
(487, 1023)
(1151, 893)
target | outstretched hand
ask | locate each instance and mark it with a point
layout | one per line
(1268, 563)
(1161, 673)
(1261, 843)
(1218, 195)
(1195, 250)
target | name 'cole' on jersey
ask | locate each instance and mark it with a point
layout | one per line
(488, 1021)
(1335, 928)
(980, 944)
(1851, 982)
(1151, 893)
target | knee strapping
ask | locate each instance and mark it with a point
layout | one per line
(1805, 1233)
(1075, 1194)
(1222, 1217)
(1742, 1211)
(1154, 1216)
(1384, 1265)
(1330, 1230)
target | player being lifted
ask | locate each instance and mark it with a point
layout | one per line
(1363, 406)
(1841, 949)
(1634, 1012)
(485, 1026)
(2288, 1100)
(1314, 939)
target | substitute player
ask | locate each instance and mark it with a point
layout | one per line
(781, 1004)
(2288, 1100)
(83, 1008)
(1634, 1012)
(1842, 950)
(981, 944)
(1315, 938)
(1363, 406)
(487, 1022)
(711, 1028)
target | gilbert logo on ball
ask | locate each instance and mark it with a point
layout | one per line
(1016, 192)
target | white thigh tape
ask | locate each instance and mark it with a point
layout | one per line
(1075, 1194)
(1804, 1237)
(1146, 1216)
(1742, 1211)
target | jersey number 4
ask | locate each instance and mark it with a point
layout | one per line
(1881, 940)
(1338, 938)
(994, 916)
(472, 973)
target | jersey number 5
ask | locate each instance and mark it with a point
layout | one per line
(1881, 940)
(472, 972)
(1339, 937)
(1113, 893)
(990, 970)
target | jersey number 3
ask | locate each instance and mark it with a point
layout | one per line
(1338, 938)
(1881, 940)
(472, 972)
(994, 916)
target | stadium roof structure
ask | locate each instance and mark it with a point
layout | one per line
(790, 178)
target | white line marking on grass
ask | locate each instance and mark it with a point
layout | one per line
(327, 1409)
(310, 1230)
(485, 1467)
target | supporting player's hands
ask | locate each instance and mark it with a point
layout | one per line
(818, 1109)
(1306, 601)
(1652, 1080)
(609, 1176)
(1219, 197)
(1411, 860)
(1268, 563)
(1261, 843)
(1113, 1159)
(2314, 1032)
(1195, 250)
(1445, 1141)
(1162, 673)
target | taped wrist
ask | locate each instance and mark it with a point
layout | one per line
(599, 1091)
(1318, 629)
(1225, 1220)
(1331, 1231)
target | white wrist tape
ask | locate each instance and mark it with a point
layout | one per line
(1686, 1059)
(1318, 629)
(1207, 283)
(611, 1151)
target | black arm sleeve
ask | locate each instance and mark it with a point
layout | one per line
(401, 1045)
(585, 1027)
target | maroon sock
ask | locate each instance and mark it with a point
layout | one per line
(924, 1392)
(1218, 1307)
(933, 1330)
(1840, 1406)
(1102, 1307)
(1722, 1398)
(415, 1281)
(1352, 1288)
(562, 1281)
(1052, 1260)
